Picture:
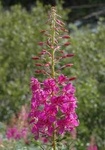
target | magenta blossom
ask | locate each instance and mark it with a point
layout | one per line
(15, 133)
(92, 147)
(53, 107)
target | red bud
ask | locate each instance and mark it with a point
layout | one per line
(59, 21)
(66, 36)
(47, 65)
(38, 64)
(35, 58)
(48, 43)
(70, 55)
(44, 50)
(63, 29)
(41, 43)
(68, 65)
(67, 43)
(38, 71)
(72, 78)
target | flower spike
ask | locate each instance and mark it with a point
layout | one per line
(53, 103)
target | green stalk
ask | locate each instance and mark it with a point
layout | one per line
(53, 41)
(54, 141)
(53, 66)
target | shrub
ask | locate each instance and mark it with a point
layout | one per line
(89, 64)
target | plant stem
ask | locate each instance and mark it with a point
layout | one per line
(53, 41)
(53, 63)
(54, 140)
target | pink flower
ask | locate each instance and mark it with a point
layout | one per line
(69, 89)
(34, 84)
(17, 134)
(92, 147)
(50, 85)
(53, 103)
(62, 79)
(53, 107)
(13, 133)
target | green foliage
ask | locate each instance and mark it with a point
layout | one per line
(18, 145)
(89, 64)
(17, 44)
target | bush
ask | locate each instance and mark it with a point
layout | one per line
(89, 64)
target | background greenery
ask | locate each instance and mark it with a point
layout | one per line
(19, 35)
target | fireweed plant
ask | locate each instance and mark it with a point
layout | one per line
(53, 103)
(19, 126)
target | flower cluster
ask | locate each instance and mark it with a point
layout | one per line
(15, 133)
(92, 145)
(19, 126)
(53, 106)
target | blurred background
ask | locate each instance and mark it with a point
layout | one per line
(20, 25)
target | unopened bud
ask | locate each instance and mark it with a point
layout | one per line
(52, 47)
(47, 65)
(41, 43)
(66, 36)
(59, 21)
(72, 78)
(68, 65)
(38, 71)
(38, 64)
(67, 44)
(70, 55)
(43, 31)
(63, 29)
(44, 50)
(35, 58)
(48, 43)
